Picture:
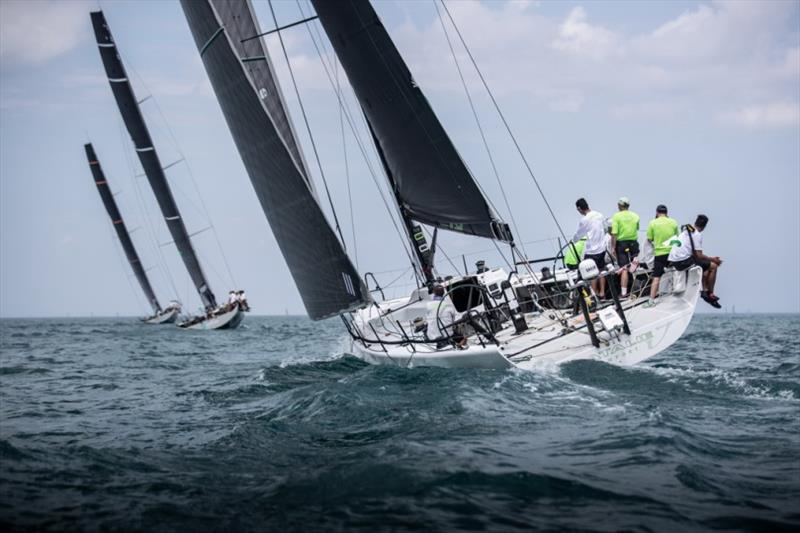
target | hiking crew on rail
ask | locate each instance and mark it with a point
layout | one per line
(671, 248)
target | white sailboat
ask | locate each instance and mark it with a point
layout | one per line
(489, 319)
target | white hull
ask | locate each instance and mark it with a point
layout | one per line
(166, 317)
(652, 331)
(228, 320)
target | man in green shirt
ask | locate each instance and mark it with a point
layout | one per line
(659, 231)
(625, 238)
(574, 254)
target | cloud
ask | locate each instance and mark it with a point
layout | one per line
(578, 37)
(773, 115)
(698, 64)
(35, 32)
(726, 32)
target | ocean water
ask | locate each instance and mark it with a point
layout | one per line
(110, 424)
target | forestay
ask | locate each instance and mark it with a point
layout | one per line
(325, 276)
(431, 181)
(134, 122)
(119, 226)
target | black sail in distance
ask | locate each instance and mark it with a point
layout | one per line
(119, 226)
(431, 181)
(325, 277)
(134, 122)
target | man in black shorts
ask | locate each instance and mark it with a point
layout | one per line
(592, 226)
(690, 252)
(660, 232)
(624, 238)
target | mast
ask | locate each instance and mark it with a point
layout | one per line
(119, 226)
(134, 122)
(431, 182)
(325, 277)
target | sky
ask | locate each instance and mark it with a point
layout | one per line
(692, 104)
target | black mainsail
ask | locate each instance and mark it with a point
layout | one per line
(134, 122)
(326, 278)
(119, 225)
(431, 182)
(238, 17)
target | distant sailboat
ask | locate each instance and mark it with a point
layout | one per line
(226, 316)
(159, 316)
(482, 320)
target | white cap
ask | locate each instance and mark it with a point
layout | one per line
(623, 201)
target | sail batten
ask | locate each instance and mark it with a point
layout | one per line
(119, 227)
(259, 123)
(134, 122)
(432, 182)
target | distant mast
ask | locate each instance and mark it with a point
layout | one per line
(119, 226)
(134, 122)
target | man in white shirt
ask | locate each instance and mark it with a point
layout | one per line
(592, 226)
(690, 252)
(232, 299)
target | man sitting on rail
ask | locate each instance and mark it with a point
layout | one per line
(690, 252)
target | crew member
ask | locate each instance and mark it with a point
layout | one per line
(592, 226)
(242, 299)
(574, 254)
(232, 299)
(659, 231)
(690, 252)
(624, 238)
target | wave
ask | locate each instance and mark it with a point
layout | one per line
(723, 382)
(11, 370)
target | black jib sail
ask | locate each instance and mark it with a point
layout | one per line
(324, 274)
(134, 122)
(119, 226)
(431, 181)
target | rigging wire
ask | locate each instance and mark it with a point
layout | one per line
(439, 248)
(146, 215)
(136, 294)
(347, 171)
(185, 161)
(505, 122)
(536, 241)
(395, 280)
(499, 251)
(478, 123)
(205, 211)
(308, 127)
(347, 114)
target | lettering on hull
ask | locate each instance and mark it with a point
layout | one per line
(621, 349)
